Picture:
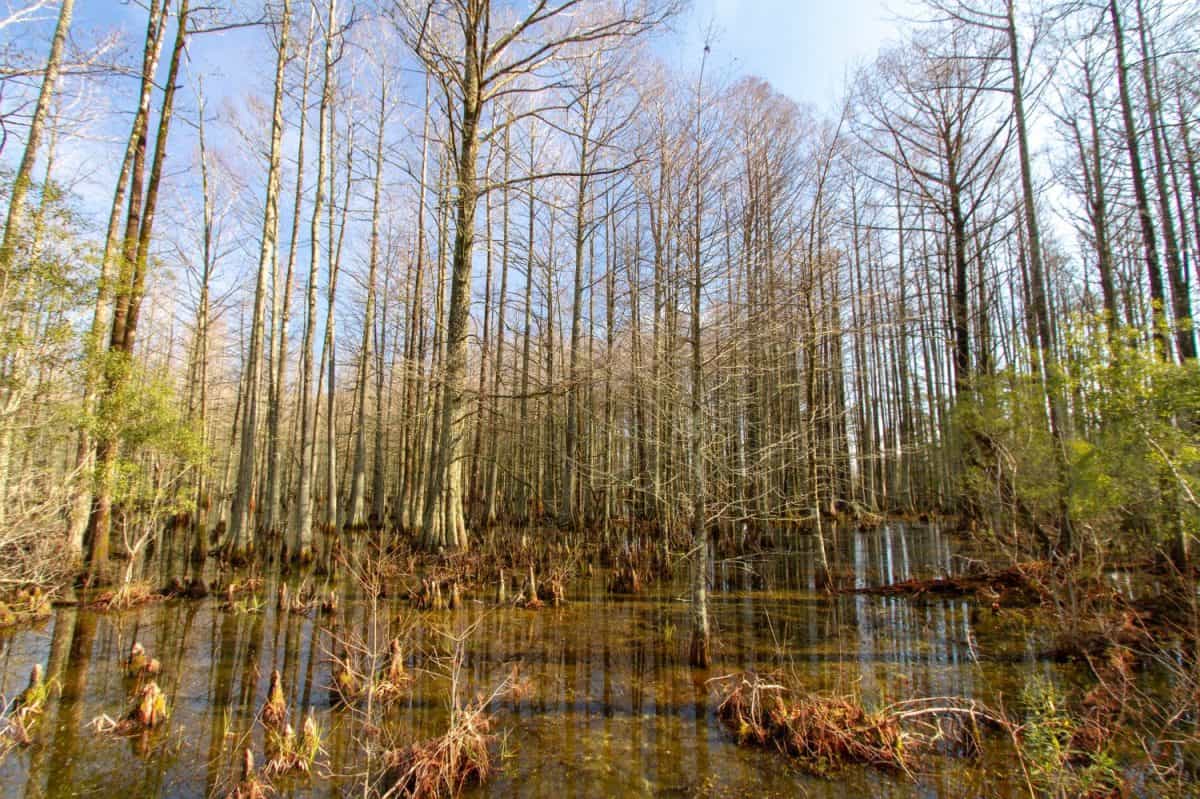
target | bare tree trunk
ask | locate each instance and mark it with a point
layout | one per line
(131, 286)
(493, 466)
(303, 525)
(525, 494)
(1041, 310)
(568, 513)
(276, 475)
(1181, 300)
(357, 502)
(446, 475)
(337, 232)
(203, 543)
(80, 513)
(699, 655)
(1149, 236)
(412, 498)
(242, 521)
(23, 179)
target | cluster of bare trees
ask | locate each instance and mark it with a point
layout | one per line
(472, 263)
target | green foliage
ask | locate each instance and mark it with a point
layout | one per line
(1009, 472)
(157, 443)
(1132, 446)
(1054, 765)
(1136, 457)
(50, 279)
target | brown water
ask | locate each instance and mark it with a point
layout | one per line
(611, 707)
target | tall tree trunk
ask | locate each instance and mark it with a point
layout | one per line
(79, 516)
(699, 647)
(276, 475)
(493, 465)
(358, 483)
(302, 537)
(1181, 299)
(242, 520)
(1037, 278)
(131, 287)
(1098, 206)
(568, 513)
(1133, 149)
(23, 179)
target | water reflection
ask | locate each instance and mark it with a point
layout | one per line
(612, 708)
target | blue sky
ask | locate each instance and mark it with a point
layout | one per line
(804, 48)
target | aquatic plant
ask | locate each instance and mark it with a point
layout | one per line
(1061, 754)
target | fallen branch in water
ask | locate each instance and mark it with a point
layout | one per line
(1024, 583)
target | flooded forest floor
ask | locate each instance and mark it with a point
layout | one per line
(1014, 681)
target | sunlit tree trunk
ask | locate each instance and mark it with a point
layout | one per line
(302, 535)
(357, 502)
(131, 280)
(242, 517)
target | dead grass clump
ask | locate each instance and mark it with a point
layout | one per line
(822, 733)
(825, 733)
(24, 605)
(129, 595)
(285, 752)
(148, 712)
(444, 766)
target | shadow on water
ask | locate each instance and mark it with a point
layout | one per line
(611, 708)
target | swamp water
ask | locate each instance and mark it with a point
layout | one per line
(609, 706)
